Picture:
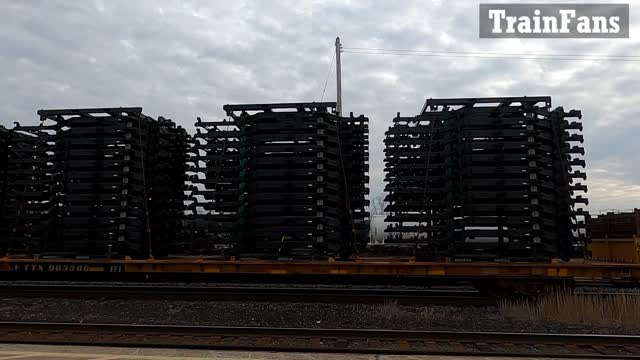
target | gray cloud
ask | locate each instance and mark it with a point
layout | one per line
(187, 59)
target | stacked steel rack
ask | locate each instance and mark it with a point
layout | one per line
(27, 189)
(354, 150)
(615, 225)
(284, 180)
(490, 178)
(99, 180)
(214, 176)
(5, 136)
(95, 182)
(487, 178)
(615, 236)
(166, 174)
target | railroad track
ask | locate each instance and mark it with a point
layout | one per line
(253, 293)
(325, 340)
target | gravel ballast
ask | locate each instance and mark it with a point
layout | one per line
(285, 314)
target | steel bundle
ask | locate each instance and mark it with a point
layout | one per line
(611, 225)
(166, 174)
(489, 178)
(28, 168)
(214, 176)
(5, 136)
(486, 178)
(283, 180)
(98, 182)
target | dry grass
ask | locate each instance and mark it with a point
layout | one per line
(567, 307)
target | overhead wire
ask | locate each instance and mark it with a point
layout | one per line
(493, 55)
(326, 80)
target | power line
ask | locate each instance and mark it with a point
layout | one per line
(326, 80)
(483, 56)
(491, 53)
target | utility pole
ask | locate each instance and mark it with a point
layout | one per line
(338, 77)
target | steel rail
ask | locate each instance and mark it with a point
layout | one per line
(325, 340)
(253, 293)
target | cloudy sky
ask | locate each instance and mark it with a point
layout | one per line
(182, 59)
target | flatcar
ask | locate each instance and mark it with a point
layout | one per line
(492, 277)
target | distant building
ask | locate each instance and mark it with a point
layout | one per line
(376, 230)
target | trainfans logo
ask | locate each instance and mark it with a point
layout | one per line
(554, 20)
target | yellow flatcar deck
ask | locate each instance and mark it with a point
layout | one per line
(578, 269)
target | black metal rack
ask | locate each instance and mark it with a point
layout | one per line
(102, 181)
(214, 189)
(28, 170)
(5, 138)
(485, 179)
(283, 180)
